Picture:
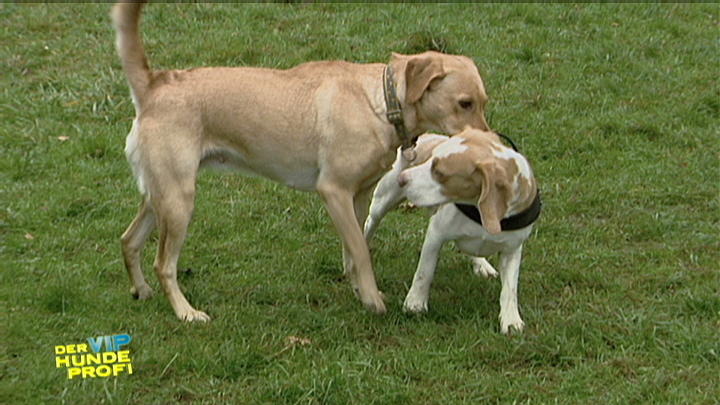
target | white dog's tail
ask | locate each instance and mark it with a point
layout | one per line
(126, 19)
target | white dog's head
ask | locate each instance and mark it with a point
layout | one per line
(473, 167)
(440, 92)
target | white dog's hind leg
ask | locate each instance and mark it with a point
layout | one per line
(509, 274)
(483, 268)
(417, 297)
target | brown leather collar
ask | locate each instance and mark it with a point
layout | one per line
(394, 109)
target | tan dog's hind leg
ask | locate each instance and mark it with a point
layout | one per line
(133, 241)
(174, 213)
(171, 162)
(340, 204)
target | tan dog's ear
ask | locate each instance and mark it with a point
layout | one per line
(419, 73)
(493, 201)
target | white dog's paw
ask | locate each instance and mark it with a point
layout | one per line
(141, 293)
(415, 303)
(193, 315)
(511, 324)
(483, 268)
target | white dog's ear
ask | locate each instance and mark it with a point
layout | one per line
(493, 197)
(419, 73)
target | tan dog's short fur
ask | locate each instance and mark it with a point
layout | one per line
(472, 167)
(319, 126)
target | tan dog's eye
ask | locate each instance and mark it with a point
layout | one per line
(466, 104)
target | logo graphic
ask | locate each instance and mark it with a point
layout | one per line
(108, 358)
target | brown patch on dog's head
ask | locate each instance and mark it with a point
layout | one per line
(441, 92)
(457, 174)
(477, 175)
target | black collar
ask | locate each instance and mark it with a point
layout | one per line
(510, 141)
(394, 109)
(517, 221)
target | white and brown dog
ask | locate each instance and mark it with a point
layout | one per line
(331, 127)
(488, 201)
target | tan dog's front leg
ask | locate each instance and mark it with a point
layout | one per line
(361, 203)
(341, 207)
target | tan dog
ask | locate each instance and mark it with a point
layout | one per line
(495, 182)
(319, 126)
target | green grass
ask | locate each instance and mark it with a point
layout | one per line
(617, 107)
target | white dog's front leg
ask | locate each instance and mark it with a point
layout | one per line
(417, 297)
(387, 196)
(509, 274)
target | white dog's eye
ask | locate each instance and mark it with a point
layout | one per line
(466, 104)
(434, 170)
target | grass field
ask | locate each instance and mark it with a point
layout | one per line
(617, 107)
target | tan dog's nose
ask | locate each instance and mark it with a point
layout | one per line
(402, 179)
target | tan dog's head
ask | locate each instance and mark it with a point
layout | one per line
(440, 92)
(473, 167)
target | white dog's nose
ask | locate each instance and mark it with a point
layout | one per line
(403, 179)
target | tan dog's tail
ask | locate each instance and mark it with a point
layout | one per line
(126, 19)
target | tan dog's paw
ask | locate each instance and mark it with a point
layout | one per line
(193, 315)
(483, 268)
(142, 293)
(375, 304)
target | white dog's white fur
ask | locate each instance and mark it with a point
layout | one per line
(418, 184)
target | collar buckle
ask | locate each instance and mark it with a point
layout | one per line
(395, 116)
